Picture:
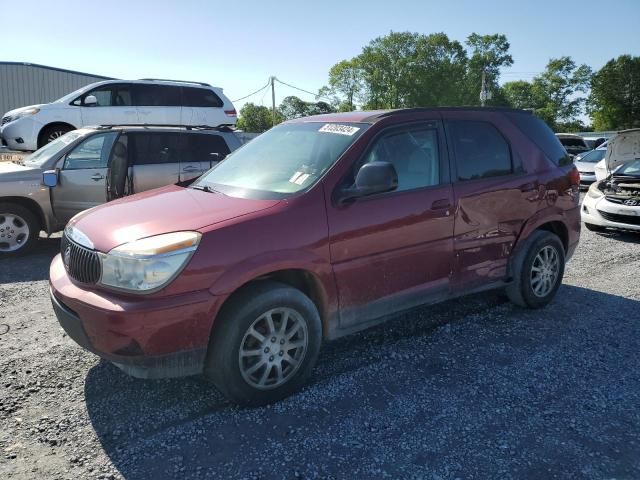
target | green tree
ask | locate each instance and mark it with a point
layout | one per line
(519, 94)
(294, 107)
(345, 83)
(256, 118)
(489, 53)
(614, 103)
(557, 91)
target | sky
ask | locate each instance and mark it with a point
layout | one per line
(238, 45)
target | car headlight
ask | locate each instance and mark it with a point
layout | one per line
(148, 264)
(25, 113)
(594, 191)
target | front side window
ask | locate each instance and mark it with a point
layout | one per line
(414, 154)
(480, 150)
(92, 153)
(200, 97)
(286, 159)
(155, 148)
(103, 96)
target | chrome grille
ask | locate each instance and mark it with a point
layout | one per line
(82, 264)
(5, 120)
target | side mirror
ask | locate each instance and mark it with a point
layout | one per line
(50, 178)
(90, 101)
(372, 178)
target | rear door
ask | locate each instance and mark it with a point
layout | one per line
(201, 106)
(394, 250)
(155, 159)
(494, 196)
(158, 104)
(82, 176)
(114, 106)
(204, 151)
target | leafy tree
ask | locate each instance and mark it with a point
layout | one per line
(489, 53)
(256, 118)
(614, 103)
(556, 91)
(345, 82)
(294, 107)
(519, 94)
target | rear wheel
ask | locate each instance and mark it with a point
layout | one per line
(538, 269)
(50, 133)
(19, 229)
(594, 228)
(265, 344)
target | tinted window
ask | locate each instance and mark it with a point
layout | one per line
(413, 153)
(155, 148)
(200, 147)
(480, 150)
(122, 96)
(91, 153)
(200, 97)
(157, 96)
(540, 134)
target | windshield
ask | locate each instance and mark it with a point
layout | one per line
(39, 157)
(594, 156)
(630, 169)
(287, 159)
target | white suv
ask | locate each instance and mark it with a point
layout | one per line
(117, 102)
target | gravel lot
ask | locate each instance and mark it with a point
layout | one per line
(474, 388)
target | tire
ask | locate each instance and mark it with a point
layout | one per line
(594, 228)
(51, 132)
(529, 288)
(241, 378)
(19, 229)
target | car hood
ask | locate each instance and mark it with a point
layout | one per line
(11, 172)
(585, 167)
(164, 210)
(623, 148)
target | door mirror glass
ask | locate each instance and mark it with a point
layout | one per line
(372, 178)
(50, 178)
(90, 101)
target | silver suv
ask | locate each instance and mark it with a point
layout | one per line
(94, 165)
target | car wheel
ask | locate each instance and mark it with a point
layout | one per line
(537, 270)
(49, 134)
(265, 344)
(594, 228)
(19, 229)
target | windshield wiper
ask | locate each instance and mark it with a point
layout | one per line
(204, 188)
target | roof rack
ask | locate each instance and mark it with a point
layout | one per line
(219, 128)
(177, 81)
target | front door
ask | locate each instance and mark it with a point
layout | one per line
(82, 177)
(394, 250)
(114, 106)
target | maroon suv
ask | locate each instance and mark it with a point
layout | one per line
(318, 228)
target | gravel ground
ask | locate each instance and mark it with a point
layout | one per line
(474, 388)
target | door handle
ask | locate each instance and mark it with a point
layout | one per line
(440, 204)
(97, 177)
(190, 169)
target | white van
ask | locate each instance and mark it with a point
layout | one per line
(118, 102)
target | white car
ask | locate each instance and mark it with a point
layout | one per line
(614, 202)
(117, 102)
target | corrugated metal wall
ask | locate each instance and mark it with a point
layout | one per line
(28, 84)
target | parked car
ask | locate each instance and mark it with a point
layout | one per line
(573, 144)
(90, 166)
(319, 227)
(594, 142)
(117, 102)
(586, 165)
(615, 201)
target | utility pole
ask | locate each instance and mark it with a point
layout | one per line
(485, 94)
(273, 101)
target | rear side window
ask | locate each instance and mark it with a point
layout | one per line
(157, 96)
(155, 148)
(540, 134)
(480, 150)
(200, 97)
(200, 147)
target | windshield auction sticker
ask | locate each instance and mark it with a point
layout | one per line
(339, 129)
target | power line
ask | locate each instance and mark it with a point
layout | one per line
(257, 91)
(302, 90)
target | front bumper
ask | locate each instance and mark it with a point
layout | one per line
(587, 178)
(21, 134)
(601, 212)
(146, 337)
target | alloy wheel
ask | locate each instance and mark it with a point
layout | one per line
(544, 271)
(14, 232)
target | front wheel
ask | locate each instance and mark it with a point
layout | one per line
(19, 229)
(52, 132)
(265, 344)
(538, 269)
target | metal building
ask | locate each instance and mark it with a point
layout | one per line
(23, 84)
